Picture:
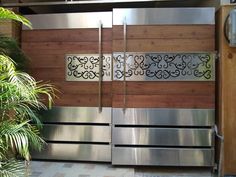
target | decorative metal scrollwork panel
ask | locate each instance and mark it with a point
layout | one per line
(164, 66)
(85, 67)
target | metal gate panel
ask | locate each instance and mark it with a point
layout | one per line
(68, 114)
(171, 16)
(77, 133)
(84, 132)
(164, 117)
(162, 136)
(162, 156)
(77, 152)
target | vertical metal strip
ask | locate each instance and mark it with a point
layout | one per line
(100, 67)
(124, 81)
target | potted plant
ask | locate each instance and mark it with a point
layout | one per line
(19, 100)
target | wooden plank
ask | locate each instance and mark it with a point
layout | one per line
(10, 28)
(83, 88)
(165, 45)
(164, 101)
(165, 32)
(89, 100)
(46, 61)
(61, 45)
(159, 88)
(6, 28)
(227, 96)
(48, 74)
(66, 35)
(60, 48)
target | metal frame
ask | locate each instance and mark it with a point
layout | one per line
(164, 16)
(66, 2)
(70, 20)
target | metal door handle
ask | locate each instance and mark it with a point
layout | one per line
(125, 49)
(100, 67)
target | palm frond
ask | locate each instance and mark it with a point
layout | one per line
(20, 92)
(7, 66)
(12, 168)
(10, 47)
(8, 14)
(3, 150)
(23, 100)
(20, 136)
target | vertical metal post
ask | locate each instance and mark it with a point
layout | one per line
(100, 67)
(124, 81)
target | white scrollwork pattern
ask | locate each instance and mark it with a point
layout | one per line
(86, 67)
(165, 66)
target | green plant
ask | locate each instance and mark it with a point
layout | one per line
(19, 98)
(10, 47)
(6, 14)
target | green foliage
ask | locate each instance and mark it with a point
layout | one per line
(19, 101)
(19, 97)
(20, 92)
(12, 168)
(6, 14)
(20, 136)
(10, 47)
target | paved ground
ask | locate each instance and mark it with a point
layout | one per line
(66, 169)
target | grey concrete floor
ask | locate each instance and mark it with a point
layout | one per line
(68, 169)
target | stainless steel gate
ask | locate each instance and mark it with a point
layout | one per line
(122, 133)
(168, 136)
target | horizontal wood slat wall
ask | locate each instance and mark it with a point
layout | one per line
(164, 94)
(47, 49)
(83, 100)
(63, 48)
(165, 32)
(164, 101)
(166, 88)
(83, 87)
(165, 45)
(165, 38)
(66, 35)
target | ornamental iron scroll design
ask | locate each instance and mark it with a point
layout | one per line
(86, 67)
(165, 66)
